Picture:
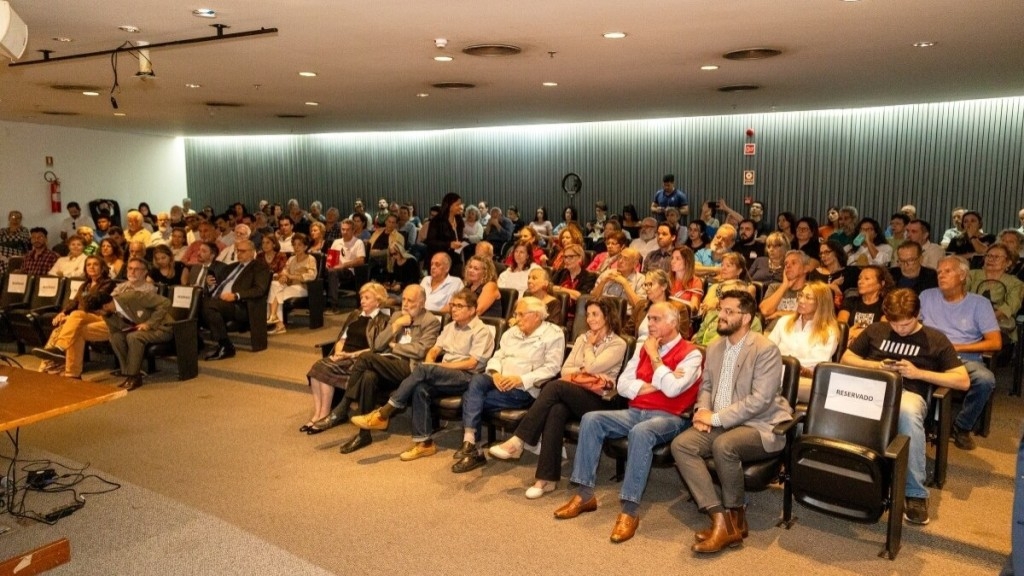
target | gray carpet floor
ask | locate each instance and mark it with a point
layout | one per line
(217, 480)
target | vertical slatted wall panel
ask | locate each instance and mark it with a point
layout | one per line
(933, 155)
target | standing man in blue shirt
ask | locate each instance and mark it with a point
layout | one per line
(670, 197)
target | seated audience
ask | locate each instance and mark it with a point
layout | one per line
(747, 242)
(865, 308)
(111, 253)
(661, 257)
(806, 237)
(572, 279)
(685, 285)
(587, 384)
(571, 235)
(781, 298)
(165, 271)
(873, 249)
(614, 245)
(623, 281)
(358, 335)
(709, 258)
(660, 381)
(345, 255)
(459, 354)
(768, 268)
(290, 282)
(529, 355)
(697, 235)
(538, 285)
(247, 279)
(972, 242)
(72, 265)
(810, 333)
(439, 286)
(738, 405)
(136, 278)
(134, 320)
(909, 271)
(834, 272)
(227, 255)
(39, 259)
(647, 238)
(656, 284)
(920, 231)
(518, 270)
(970, 324)
(271, 253)
(925, 358)
(482, 281)
(1003, 290)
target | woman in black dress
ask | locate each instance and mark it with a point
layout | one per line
(445, 232)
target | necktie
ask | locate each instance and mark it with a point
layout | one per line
(201, 277)
(229, 280)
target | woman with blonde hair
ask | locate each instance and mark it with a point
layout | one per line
(482, 279)
(810, 333)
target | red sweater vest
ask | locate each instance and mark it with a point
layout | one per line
(657, 400)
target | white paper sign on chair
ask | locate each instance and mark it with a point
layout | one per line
(856, 396)
(48, 287)
(182, 297)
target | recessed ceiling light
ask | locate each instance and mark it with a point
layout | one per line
(62, 39)
(924, 44)
(308, 74)
(312, 103)
(614, 35)
(130, 29)
(205, 13)
(119, 114)
(443, 58)
(193, 85)
(91, 93)
(709, 67)
(422, 95)
(550, 84)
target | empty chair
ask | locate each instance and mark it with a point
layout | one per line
(184, 346)
(850, 462)
(25, 323)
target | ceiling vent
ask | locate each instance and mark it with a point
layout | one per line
(59, 113)
(752, 54)
(453, 85)
(739, 88)
(223, 104)
(75, 88)
(291, 116)
(492, 50)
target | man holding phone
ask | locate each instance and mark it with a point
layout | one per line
(924, 357)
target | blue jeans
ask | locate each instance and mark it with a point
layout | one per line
(913, 409)
(483, 396)
(983, 383)
(645, 429)
(425, 383)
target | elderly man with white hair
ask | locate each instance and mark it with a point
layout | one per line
(228, 255)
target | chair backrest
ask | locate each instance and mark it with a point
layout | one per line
(73, 286)
(790, 380)
(856, 405)
(321, 265)
(17, 289)
(184, 302)
(499, 325)
(509, 297)
(49, 291)
(844, 340)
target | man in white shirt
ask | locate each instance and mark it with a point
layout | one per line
(162, 234)
(439, 285)
(920, 231)
(228, 255)
(344, 256)
(284, 234)
(70, 224)
(648, 240)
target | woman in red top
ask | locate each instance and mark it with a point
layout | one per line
(686, 287)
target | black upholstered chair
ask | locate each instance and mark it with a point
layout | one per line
(850, 462)
(509, 297)
(184, 346)
(47, 294)
(450, 407)
(315, 302)
(17, 291)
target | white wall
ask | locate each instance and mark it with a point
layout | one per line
(129, 168)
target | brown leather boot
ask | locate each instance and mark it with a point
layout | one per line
(723, 534)
(739, 519)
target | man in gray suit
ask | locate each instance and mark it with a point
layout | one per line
(135, 319)
(738, 405)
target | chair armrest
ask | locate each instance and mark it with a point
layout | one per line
(783, 428)
(45, 309)
(325, 347)
(898, 447)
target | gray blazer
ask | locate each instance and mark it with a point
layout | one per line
(756, 396)
(423, 332)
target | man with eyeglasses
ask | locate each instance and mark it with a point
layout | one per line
(530, 354)
(248, 279)
(461, 351)
(920, 231)
(909, 273)
(135, 320)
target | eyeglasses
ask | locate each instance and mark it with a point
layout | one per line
(907, 262)
(994, 256)
(457, 306)
(567, 256)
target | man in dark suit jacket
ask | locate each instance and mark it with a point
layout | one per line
(737, 407)
(134, 319)
(209, 271)
(248, 279)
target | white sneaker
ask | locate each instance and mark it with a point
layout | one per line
(533, 492)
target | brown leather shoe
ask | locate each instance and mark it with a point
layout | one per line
(723, 534)
(575, 507)
(132, 382)
(739, 519)
(625, 527)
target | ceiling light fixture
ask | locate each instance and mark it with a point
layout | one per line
(119, 114)
(443, 58)
(614, 35)
(924, 44)
(193, 85)
(91, 93)
(422, 95)
(62, 39)
(204, 13)
(307, 74)
(709, 67)
(550, 84)
(130, 29)
(312, 103)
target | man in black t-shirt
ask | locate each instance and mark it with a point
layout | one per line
(924, 357)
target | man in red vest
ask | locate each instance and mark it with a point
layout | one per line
(738, 406)
(661, 382)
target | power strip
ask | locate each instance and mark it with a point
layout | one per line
(61, 512)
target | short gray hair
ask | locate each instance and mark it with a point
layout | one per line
(535, 305)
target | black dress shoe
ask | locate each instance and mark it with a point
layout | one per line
(305, 427)
(325, 423)
(471, 462)
(468, 449)
(49, 353)
(356, 442)
(220, 353)
(133, 382)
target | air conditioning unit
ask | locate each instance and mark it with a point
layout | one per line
(13, 32)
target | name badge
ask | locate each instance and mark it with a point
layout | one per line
(406, 337)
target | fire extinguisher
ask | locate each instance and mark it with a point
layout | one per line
(54, 191)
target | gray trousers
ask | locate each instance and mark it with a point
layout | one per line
(729, 448)
(129, 347)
